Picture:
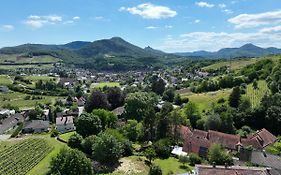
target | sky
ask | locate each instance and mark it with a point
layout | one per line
(168, 25)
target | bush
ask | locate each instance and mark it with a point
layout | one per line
(54, 132)
(75, 141)
(194, 159)
(18, 130)
(155, 170)
(162, 148)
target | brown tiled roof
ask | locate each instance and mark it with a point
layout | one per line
(234, 170)
(264, 137)
(227, 140)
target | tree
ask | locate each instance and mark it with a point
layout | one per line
(234, 98)
(191, 111)
(106, 149)
(138, 103)
(217, 155)
(87, 144)
(163, 148)
(164, 121)
(108, 118)
(213, 122)
(88, 124)
(155, 170)
(157, 85)
(178, 100)
(131, 130)
(97, 100)
(115, 97)
(71, 162)
(150, 154)
(169, 95)
(75, 141)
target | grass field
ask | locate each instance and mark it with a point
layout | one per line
(17, 99)
(205, 101)
(36, 78)
(5, 80)
(13, 67)
(255, 95)
(172, 165)
(15, 58)
(232, 64)
(66, 136)
(21, 157)
(108, 84)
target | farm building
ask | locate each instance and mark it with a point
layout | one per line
(199, 141)
(36, 126)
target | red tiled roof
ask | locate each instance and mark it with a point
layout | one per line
(264, 137)
(227, 140)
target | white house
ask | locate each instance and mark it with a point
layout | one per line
(65, 124)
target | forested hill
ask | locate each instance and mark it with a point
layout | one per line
(247, 50)
(106, 54)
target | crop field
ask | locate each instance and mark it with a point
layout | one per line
(22, 157)
(255, 95)
(5, 80)
(14, 67)
(108, 84)
(232, 64)
(42, 167)
(205, 101)
(18, 99)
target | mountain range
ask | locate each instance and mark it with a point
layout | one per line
(247, 50)
(118, 54)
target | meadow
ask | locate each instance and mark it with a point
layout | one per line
(108, 84)
(231, 64)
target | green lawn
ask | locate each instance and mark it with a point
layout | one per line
(255, 95)
(172, 165)
(43, 167)
(205, 101)
(17, 99)
(108, 84)
(66, 136)
(5, 80)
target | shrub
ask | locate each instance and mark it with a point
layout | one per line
(155, 170)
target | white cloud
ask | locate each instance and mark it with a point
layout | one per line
(256, 20)
(68, 22)
(76, 18)
(151, 27)
(204, 4)
(150, 11)
(222, 6)
(7, 28)
(227, 11)
(197, 21)
(168, 26)
(276, 29)
(37, 22)
(213, 41)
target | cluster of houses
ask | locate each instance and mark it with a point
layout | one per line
(251, 150)
(9, 119)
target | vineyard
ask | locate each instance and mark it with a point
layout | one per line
(255, 95)
(22, 157)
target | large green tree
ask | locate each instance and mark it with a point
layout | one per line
(234, 98)
(108, 118)
(71, 162)
(88, 124)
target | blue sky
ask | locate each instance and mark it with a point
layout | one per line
(169, 25)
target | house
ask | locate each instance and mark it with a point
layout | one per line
(261, 158)
(119, 111)
(198, 141)
(65, 124)
(36, 126)
(10, 122)
(232, 170)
